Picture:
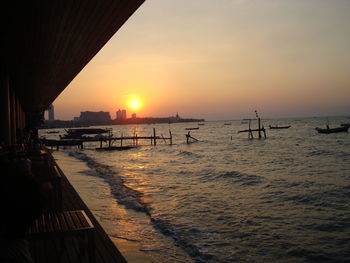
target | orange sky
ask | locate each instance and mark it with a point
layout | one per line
(221, 60)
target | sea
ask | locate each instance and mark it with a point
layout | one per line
(223, 198)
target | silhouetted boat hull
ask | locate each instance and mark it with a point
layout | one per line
(333, 130)
(51, 132)
(87, 131)
(189, 129)
(279, 127)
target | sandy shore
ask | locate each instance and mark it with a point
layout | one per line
(100, 203)
(131, 251)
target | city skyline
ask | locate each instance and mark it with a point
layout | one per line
(221, 60)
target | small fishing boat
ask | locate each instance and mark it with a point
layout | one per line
(194, 128)
(279, 127)
(200, 124)
(70, 136)
(227, 123)
(87, 131)
(50, 132)
(328, 130)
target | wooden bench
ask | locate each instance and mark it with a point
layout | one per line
(62, 225)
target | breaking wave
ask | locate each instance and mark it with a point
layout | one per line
(130, 198)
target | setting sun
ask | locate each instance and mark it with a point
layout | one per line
(134, 103)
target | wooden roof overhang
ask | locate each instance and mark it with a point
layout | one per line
(45, 44)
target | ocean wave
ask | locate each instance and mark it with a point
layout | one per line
(124, 238)
(182, 241)
(240, 178)
(189, 154)
(130, 198)
(319, 153)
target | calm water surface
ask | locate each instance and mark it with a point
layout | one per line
(283, 199)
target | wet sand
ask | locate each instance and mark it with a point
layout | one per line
(99, 206)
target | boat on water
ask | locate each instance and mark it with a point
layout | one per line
(194, 128)
(51, 132)
(78, 133)
(200, 124)
(279, 127)
(342, 128)
(70, 136)
(88, 131)
(227, 123)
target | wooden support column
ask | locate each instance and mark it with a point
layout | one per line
(5, 119)
(13, 116)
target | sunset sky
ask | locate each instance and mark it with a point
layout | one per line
(221, 59)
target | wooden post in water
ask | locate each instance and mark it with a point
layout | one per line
(100, 143)
(188, 137)
(171, 137)
(259, 128)
(154, 136)
(250, 133)
(121, 140)
(264, 131)
(163, 138)
(136, 140)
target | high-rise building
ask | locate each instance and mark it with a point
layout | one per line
(51, 111)
(121, 115)
(90, 116)
(124, 114)
(133, 116)
(118, 115)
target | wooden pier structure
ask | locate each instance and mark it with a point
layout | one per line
(250, 131)
(111, 142)
(190, 138)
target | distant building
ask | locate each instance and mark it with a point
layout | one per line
(123, 114)
(51, 111)
(95, 117)
(75, 118)
(133, 116)
(118, 115)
